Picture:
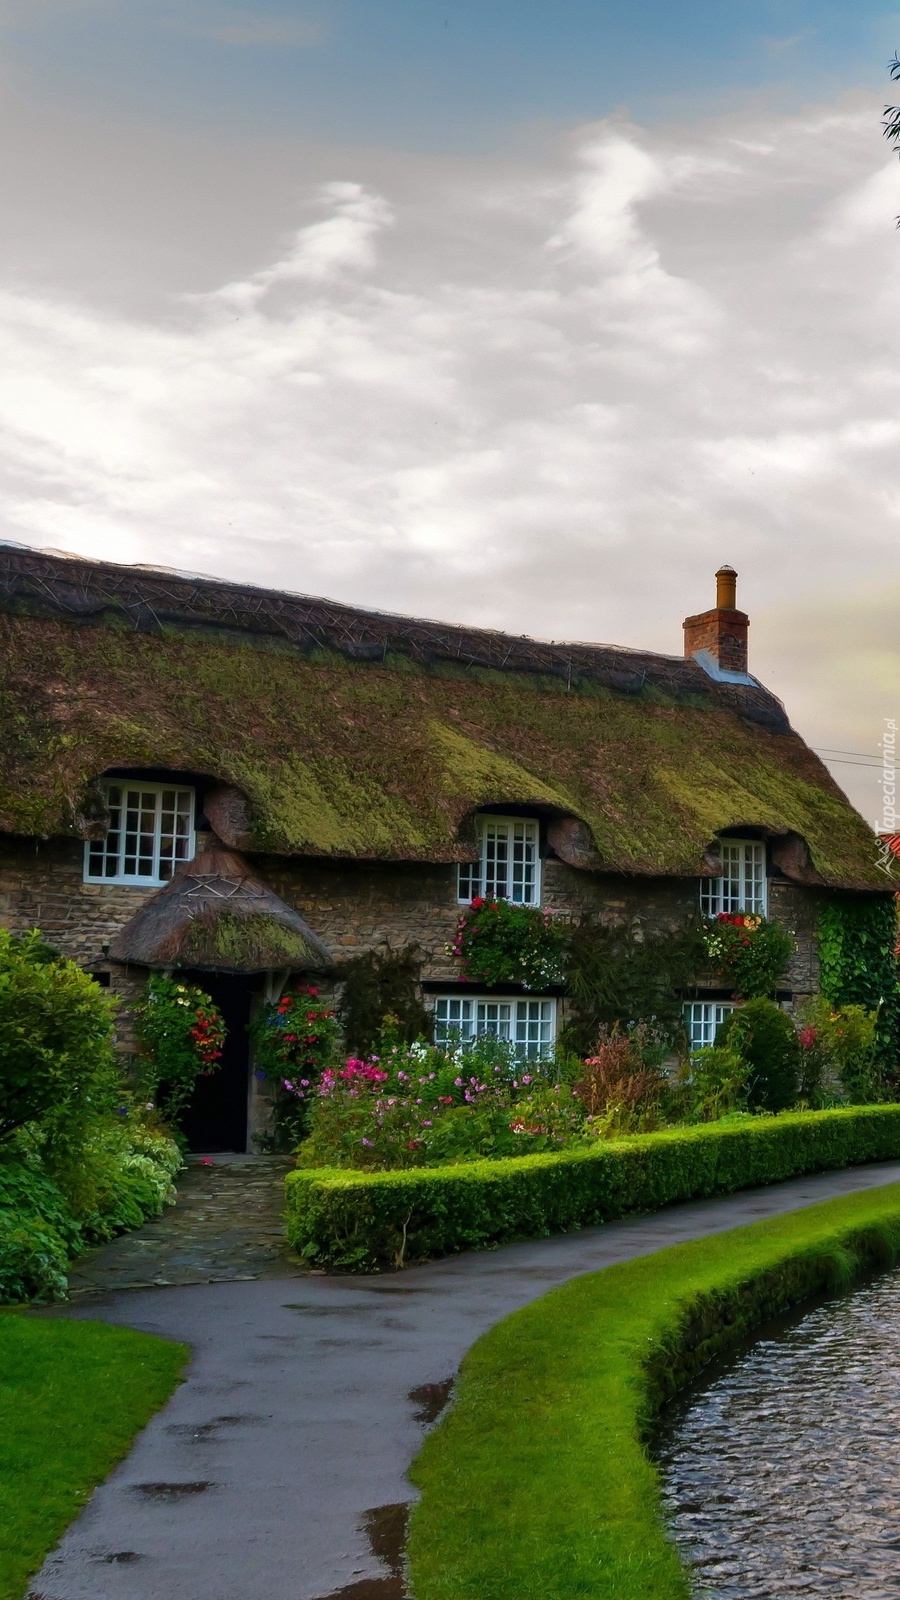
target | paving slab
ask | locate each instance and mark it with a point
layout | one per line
(227, 1224)
(277, 1471)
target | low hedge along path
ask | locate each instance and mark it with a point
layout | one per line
(360, 1221)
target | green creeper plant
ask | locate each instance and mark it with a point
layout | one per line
(858, 965)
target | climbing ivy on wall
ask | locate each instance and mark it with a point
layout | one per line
(617, 976)
(380, 984)
(858, 963)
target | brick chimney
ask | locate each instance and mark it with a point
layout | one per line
(718, 638)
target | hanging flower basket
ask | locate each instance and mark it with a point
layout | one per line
(181, 1034)
(498, 942)
(748, 952)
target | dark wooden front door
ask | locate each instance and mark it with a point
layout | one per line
(216, 1115)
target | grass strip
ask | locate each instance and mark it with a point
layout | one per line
(72, 1397)
(364, 1220)
(538, 1481)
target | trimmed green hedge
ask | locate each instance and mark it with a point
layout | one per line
(365, 1220)
(537, 1482)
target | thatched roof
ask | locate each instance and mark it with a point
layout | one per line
(218, 916)
(355, 734)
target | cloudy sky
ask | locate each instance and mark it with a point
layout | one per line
(526, 313)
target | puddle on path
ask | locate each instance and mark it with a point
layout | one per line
(385, 1527)
(431, 1398)
(172, 1491)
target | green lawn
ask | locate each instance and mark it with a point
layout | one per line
(72, 1397)
(537, 1483)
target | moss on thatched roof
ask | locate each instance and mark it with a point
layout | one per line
(217, 915)
(342, 754)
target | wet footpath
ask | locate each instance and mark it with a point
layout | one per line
(277, 1471)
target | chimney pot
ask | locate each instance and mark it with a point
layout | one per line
(726, 589)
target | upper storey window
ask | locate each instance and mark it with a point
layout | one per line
(742, 886)
(151, 830)
(508, 865)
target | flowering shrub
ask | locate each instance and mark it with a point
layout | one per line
(294, 1042)
(421, 1104)
(503, 943)
(838, 1056)
(622, 1081)
(181, 1034)
(748, 951)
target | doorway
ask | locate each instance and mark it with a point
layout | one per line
(215, 1118)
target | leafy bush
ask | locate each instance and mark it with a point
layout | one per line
(361, 1220)
(181, 1034)
(55, 1034)
(838, 1052)
(381, 984)
(33, 1261)
(37, 1233)
(715, 1083)
(499, 942)
(749, 952)
(858, 965)
(764, 1038)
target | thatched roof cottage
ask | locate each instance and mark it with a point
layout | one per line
(241, 783)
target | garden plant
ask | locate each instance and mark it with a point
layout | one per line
(81, 1155)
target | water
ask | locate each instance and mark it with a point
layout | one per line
(782, 1475)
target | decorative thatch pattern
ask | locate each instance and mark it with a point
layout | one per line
(218, 916)
(385, 752)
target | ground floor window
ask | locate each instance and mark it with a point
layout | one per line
(702, 1018)
(529, 1024)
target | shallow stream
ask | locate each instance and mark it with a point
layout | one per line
(782, 1470)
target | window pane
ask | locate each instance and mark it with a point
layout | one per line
(150, 831)
(495, 860)
(742, 886)
(703, 1018)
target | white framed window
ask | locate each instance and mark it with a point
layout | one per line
(508, 865)
(529, 1024)
(742, 886)
(702, 1018)
(151, 830)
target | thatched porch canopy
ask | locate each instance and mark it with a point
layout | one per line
(219, 916)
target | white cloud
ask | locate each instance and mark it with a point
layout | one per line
(550, 396)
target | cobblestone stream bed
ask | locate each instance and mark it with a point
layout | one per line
(781, 1473)
(227, 1225)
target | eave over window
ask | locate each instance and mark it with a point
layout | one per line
(508, 865)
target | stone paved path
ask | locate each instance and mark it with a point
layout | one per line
(228, 1224)
(277, 1471)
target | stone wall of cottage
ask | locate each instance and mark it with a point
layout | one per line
(358, 906)
(354, 907)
